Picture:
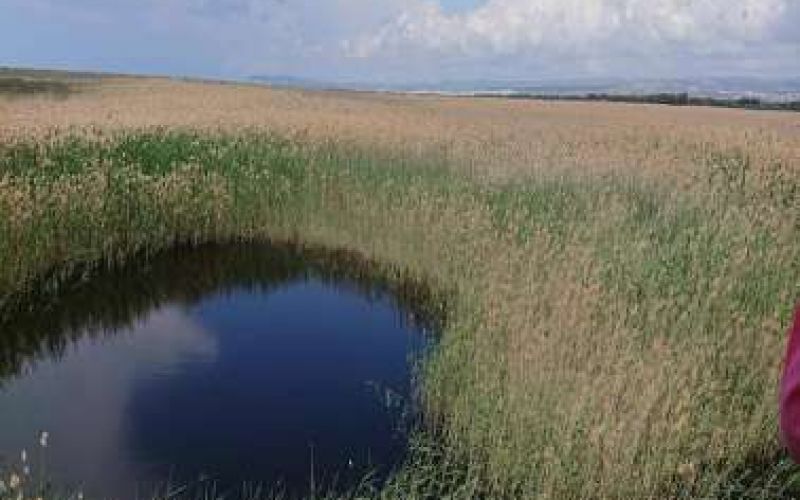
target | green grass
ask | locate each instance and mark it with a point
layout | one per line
(606, 337)
(16, 86)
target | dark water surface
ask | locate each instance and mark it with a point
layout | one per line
(255, 363)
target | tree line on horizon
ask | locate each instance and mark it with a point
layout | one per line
(668, 98)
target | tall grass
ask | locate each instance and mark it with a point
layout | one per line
(608, 336)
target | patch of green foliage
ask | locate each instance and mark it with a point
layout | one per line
(26, 86)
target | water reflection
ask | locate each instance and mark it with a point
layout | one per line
(238, 362)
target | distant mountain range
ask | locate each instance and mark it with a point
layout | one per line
(727, 88)
(755, 92)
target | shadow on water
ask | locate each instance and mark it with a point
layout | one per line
(93, 299)
(242, 362)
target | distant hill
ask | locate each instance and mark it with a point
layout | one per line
(729, 91)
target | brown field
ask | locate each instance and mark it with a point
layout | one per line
(500, 138)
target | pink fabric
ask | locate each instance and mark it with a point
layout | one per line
(790, 392)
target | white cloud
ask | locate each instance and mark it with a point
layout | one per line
(575, 26)
(409, 40)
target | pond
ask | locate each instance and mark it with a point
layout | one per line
(223, 364)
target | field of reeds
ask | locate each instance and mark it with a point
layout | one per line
(619, 278)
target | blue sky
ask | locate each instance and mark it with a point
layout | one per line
(395, 41)
(460, 5)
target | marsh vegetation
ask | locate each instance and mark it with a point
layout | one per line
(27, 83)
(14, 86)
(618, 287)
